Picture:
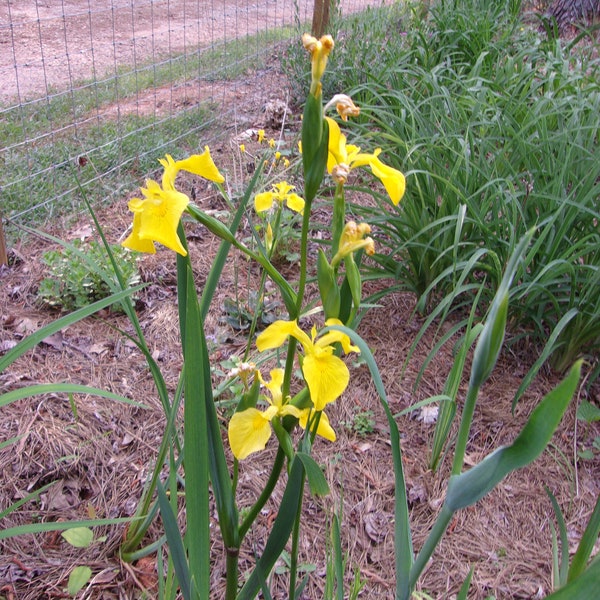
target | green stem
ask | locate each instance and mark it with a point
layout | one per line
(232, 573)
(465, 427)
(303, 259)
(435, 535)
(295, 543)
(339, 216)
(264, 495)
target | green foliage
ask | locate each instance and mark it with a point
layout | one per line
(362, 423)
(497, 131)
(78, 275)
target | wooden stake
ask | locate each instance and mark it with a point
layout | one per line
(3, 254)
(320, 17)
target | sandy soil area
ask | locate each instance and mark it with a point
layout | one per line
(50, 45)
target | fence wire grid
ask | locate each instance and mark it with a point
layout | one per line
(94, 91)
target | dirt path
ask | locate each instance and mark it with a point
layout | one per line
(45, 46)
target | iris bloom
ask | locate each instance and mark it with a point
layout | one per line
(249, 430)
(326, 374)
(281, 192)
(342, 158)
(156, 216)
(353, 239)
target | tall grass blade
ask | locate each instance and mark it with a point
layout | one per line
(583, 587)
(586, 544)
(469, 487)
(562, 564)
(176, 549)
(196, 446)
(549, 348)
(63, 388)
(402, 536)
(282, 528)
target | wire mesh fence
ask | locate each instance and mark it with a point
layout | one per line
(93, 91)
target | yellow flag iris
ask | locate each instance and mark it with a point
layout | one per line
(156, 216)
(249, 430)
(342, 158)
(326, 374)
(280, 193)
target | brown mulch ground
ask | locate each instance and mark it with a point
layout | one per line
(97, 458)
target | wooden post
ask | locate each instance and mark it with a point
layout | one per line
(320, 17)
(3, 254)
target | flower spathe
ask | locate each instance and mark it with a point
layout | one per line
(342, 158)
(156, 216)
(326, 374)
(281, 192)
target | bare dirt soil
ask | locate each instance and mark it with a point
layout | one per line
(46, 46)
(98, 453)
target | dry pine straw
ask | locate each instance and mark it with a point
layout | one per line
(100, 458)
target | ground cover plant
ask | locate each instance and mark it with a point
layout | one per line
(338, 301)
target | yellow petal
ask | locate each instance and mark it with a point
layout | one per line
(169, 173)
(159, 219)
(295, 202)
(274, 386)
(324, 429)
(326, 376)
(337, 145)
(392, 179)
(134, 242)
(201, 164)
(263, 201)
(248, 432)
(276, 334)
(337, 336)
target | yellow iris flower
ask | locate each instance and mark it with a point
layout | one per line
(326, 374)
(281, 192)
(157, 215)
(354, 237)
(342, 158)
(249, 430)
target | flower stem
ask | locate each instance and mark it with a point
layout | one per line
(339, 216)
(232, 573)
(465, 427)
(264, 495)
(435, 535)
(303, 260)
(295, 543)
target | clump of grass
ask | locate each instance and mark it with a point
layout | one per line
(497, 131)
